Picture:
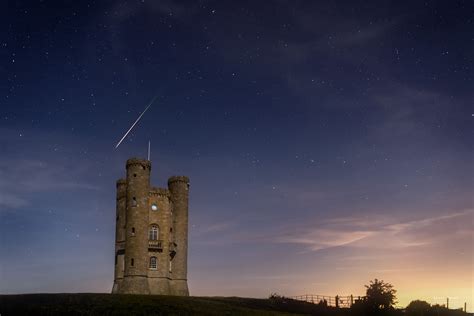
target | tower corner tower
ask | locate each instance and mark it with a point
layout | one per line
(179, 192)
(136, 228)
(121, 208)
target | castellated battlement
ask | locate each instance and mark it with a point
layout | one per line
(151, 238)
(121, 182)
(178, 179)
(121, 188)
(138, 161)
(160, 191)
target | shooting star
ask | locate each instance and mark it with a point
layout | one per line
(138, 119)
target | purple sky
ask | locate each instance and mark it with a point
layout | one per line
(327, 144)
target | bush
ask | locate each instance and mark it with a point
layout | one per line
(418, 308)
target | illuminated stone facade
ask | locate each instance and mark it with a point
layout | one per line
(151, 240)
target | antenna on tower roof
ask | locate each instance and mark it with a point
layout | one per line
(149, 150)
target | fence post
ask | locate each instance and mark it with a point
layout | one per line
(337, 300)
(352, 300)
(447, 302)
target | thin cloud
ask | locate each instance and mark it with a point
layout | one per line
(122, 11)
(11, 201)
(211, 228)
(363, 35)
(375, 234)
(326, 238)
(22, 178)
(427, 221)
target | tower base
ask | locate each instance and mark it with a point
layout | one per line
(117, 286)
(134, 285)
(159, 286)
(179, 287)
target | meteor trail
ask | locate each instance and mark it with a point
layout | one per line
(138, 119)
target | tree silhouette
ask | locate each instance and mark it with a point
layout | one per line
(418, 308)
(380, 296)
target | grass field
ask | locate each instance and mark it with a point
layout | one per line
(106, 304)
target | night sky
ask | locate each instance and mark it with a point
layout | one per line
(328, 143)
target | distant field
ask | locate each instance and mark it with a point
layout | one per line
(107, 304)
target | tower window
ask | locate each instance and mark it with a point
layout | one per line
(154, 207)
(153, 263)
(134, 175)
(133, 231)
(170, 266)
(154, 232)
(132, 262)
(134, 201)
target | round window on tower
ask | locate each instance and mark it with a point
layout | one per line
(154, 207)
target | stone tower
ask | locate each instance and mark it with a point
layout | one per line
(151, 239)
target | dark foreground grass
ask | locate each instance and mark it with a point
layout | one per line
(107, 304)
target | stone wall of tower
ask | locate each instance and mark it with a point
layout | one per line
(158, 279)
(139, 208)
(136, 245)
(179, 190)
(120, 234)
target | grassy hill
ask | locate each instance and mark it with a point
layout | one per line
(107, 304)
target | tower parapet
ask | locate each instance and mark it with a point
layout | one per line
(145, 164)
(121, 194)
(160, 191)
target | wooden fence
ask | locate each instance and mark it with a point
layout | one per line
(344, 301)
(336, 301)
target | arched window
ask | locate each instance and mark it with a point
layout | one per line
(154, 232)
(153, 263)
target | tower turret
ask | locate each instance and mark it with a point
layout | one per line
(136, 245)
(120, 233)
(179, 189)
